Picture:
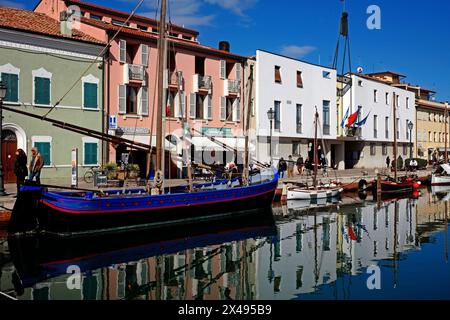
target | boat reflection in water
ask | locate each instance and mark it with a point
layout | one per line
(320, 252)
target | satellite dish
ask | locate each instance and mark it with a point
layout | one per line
(360, 70)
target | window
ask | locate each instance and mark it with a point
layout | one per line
(277, 74)
(387, 98)
(132, 100)
(360, 83)
(200, 65)
(430, 136)
(407, 129)
(375, 126)
(199, 112)
(299, 118)
(398, 128)
(43, 144)
(375, 95)
(170, 104)
(407, 102)
(90, 92)
(326, 74)
(11, 81)
(373, 149)
(384, 149)
(299, 79)
(95, 17)
(143, 28)
(42, 87)
(90, 151)
(122, 51)
(405, 149)
(386, 128)
(435, 137)
(144, 54)
(296, 148)
(118, 22)
(277, 110)
(326, 117)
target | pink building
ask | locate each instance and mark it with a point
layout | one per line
(204, 84)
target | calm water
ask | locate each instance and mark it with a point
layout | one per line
(303, 254)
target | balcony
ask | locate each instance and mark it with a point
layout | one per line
(232, 87)
(202, 83)
(176, 79)
(353, 132)
(133, 72)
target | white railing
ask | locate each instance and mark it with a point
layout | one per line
(232, 87)
(202, 82)
(136, 72)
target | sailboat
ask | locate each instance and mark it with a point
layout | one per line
(83, 212)
(442, 175)
(316, 191)
(395, 186)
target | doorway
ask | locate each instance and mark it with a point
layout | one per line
(9, 147)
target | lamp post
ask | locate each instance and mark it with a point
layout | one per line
(271, 116)
(410, 127)
(2, 96)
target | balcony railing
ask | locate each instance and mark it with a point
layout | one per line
(232, 87)
(299, 128)
(326, 129)
(353, 132)
(136, 72)
(176, 79)
(202, 83)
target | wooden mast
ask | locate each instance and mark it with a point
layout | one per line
(159, 175)
(446, 140)
(246, 174)
(316, 158)
(395, 137)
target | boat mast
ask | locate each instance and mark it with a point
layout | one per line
(159, 175)
(316, 158)
(395, 137)
(446, 140)
(246, 174)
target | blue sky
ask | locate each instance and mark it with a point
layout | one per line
(414, 38)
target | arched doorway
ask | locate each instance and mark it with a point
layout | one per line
(9, 147)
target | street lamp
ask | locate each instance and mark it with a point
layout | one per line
(271, 117)
(410, 127)
(2, 96)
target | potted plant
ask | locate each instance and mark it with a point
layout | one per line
(133, 171)
(111, 170)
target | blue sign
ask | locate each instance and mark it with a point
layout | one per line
(112, 122)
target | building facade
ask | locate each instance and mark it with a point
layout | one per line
(294, 90)
(369, 145)
(203, 84)
(39, 64)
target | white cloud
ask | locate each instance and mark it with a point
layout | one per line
(297, 51)
(14, 4)
(236, 6)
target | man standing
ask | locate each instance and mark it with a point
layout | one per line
(300, 163)
(36, 165)
(388, 162)
(291, 165)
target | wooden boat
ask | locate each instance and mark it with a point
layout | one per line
(85, 212)
(442, 176)
(316, 191)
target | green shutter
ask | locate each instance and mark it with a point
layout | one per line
(12, 86)
(90, 153)
(44, 150)
(41, 91)
(90, 95)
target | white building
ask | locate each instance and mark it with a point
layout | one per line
(370, 145)
(294, 89)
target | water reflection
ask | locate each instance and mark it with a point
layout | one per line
(309, 252)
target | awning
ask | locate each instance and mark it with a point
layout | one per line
(169, 146)
(204, 143)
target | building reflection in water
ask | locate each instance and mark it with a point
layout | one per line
(312, 248)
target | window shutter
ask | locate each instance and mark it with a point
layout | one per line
(238, 71)
(277, 74)
(237, 110)
(122, 51)
(223, 69)
(122, 99)
(44, 150)
(42, 91)
(90, 153)
(209, 101)
(12, 86)
(144, 55)
(223, 110)
(90, 95)
(183, 105)
(299, 79)
(177, 105)
(193, 103)
(144, 101)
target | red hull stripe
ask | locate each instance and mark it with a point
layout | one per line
(147, 209)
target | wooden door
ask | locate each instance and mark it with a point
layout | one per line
(9, 147)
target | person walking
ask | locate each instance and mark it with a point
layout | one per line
(290, 165)
(282, 167)
(36, 165)
(300, 164)
(20, 168)
(388, 162)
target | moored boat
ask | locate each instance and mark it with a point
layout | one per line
(442, 176)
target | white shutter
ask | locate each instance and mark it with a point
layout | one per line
(237, 110)
(144, 54)
(122, 51)
(193, 104)
(223, 69)
(209, 104)
(238, 71)
(223, 108)
(183, 105)
(122, 99)
(177, 105)
(144, 101)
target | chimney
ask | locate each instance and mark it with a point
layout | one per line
(224, 46)
(65, 23)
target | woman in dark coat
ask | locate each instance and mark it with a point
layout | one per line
(20, 168)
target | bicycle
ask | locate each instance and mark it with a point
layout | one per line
(89, 174)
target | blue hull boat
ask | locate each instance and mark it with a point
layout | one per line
(79, 213)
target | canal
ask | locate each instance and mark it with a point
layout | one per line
(396, 249)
